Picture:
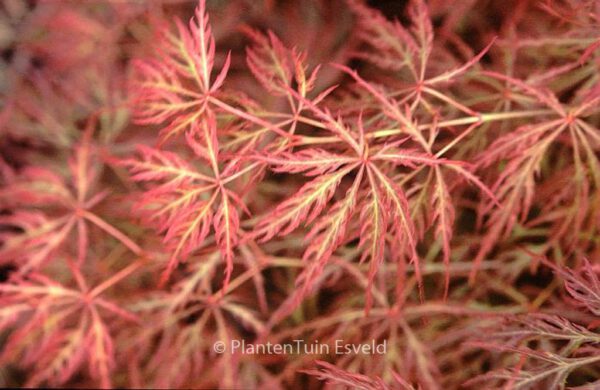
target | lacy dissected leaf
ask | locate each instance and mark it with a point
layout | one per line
(270, 62)
(525, 149)
(62, 327)
(391, 45)
(186, 317)
(187, 204)
(583, 285)
(164, 93)
(541, 368)
(544, 326)
(48, 208)
(37, 239)
(552, 372)
(383, 205)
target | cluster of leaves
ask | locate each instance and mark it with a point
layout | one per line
(318, 171)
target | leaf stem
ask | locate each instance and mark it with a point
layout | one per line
(482, 118)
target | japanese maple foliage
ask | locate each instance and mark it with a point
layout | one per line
(178, 176)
